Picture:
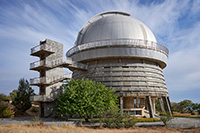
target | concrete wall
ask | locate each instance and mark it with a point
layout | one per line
(135, 77)
(119, 52)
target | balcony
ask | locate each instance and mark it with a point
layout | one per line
(49, 80)
(45, 64)
(41, 49)
(39, 81)
(118, 42)
(41, 98)
(38, 65)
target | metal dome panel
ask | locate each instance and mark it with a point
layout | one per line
(115, 26)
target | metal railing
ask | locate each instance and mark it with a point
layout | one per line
(47, 63)
(41, 47)
(119, 42)
(57, 62)
(49, 80)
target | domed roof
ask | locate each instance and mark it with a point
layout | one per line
(113, 25)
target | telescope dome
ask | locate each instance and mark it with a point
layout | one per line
(112, 26)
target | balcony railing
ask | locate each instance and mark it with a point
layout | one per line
(46, 63)
(119, 42)
(44, 47)
(57, 62)
(38, 64)
(41, 98)
(50, 80)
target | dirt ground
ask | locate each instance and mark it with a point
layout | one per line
(73, 129)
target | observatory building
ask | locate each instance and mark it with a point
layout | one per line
(120, 52)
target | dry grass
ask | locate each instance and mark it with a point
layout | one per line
(176, 114)
(73, 129)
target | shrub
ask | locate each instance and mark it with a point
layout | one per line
(35, 109)
(129, 123)
(146, 120)
(165, 119)
(192, 113)
(6, 110)
(114, 119)
(36, 121)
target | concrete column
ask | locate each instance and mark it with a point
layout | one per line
(121, 103)
(137, 103)
(166, 105)
(154, 106)
(149, 104)
(170, 105)
(161, 105)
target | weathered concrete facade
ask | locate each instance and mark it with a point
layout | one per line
(51, 74)
(122, 53)
(112, 48)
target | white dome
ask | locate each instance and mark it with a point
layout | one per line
(114, 25)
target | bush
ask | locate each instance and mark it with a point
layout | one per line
(3, 97)
(165, 119)
(192, 113)
(129, 123)
(6, 110)
(34, 109)
(146, 120)
(113, 119)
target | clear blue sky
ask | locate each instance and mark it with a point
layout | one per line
(175, 24)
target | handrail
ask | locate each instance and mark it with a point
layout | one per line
(57, 62)
(119, 42)
(41, 47)
(48, 80)
(47, 63)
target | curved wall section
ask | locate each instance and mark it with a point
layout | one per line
(133, 77)
(122, 52)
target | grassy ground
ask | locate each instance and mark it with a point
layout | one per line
(73, 129)
(187, 115)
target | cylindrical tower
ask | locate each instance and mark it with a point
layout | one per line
(122, 53)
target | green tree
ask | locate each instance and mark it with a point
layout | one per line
(175, 106)
(196, 107)
(185, 106)
(84, 97)
(3, 97)
(13, 94)
(22, 101)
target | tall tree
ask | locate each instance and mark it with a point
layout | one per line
(22, 101)
(84, 97)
